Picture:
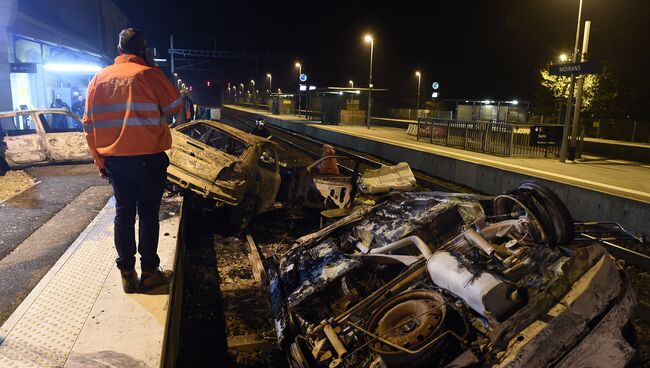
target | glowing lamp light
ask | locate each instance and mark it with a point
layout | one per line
(72, 68)
(514, 102)
(368, 38)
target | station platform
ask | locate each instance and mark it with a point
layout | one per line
(594, 188)
(78, 315)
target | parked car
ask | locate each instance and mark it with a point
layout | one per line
(42, 136)
(452, 280)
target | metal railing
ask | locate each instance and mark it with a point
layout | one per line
(496, 138)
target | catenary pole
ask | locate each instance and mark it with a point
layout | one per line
(581, 82)
(565, 131)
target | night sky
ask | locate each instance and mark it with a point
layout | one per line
(474, 49)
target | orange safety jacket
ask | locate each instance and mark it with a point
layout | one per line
(125, 108)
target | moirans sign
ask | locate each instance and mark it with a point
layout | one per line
(587, 67)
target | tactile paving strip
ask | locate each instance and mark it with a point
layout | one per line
(48, 329)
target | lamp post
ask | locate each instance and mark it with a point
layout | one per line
(565, 132)
(351, 84)
(178, 83)
(270, 82)
(369, 39)
(253, 89)
(299, 66)
(417, 104)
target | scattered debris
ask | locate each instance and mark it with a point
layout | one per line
(387, 179)
(13, 183)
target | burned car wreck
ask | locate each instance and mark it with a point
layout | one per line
(456, 280)
(248, 173)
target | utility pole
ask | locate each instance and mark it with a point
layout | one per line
(565, 131)
(581, 82)
(372, 47)
(171, 46)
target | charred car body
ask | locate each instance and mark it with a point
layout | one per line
(247, 172)
(42, 136)
(438, 279)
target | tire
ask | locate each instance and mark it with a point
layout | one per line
(559, 219)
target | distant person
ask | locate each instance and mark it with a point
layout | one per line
(261, 130)
(78, 106)
(58, 103)
(125, 107)
(59, 121)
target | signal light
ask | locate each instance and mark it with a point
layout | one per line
(190, 88)
(208, 83)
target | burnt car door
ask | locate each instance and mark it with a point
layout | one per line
(64, 138)
(24, 143)
(195, 151)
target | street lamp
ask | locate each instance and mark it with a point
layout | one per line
(417, 105)
(564, 57)
(270, 81)
(351, 84)
(565, 133)
(299, 66)
(178, 82)
(368, 38)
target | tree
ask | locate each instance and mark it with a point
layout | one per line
(600, 91)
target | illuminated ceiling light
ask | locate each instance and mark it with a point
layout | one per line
(160, 60)
(357, 92)
(72, 68)
(486, 102)
(514, 102)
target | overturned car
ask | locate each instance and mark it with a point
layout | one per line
(452, 280)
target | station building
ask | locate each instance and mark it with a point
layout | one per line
(51, 49)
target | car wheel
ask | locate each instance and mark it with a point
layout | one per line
(559, 217)
(243, 213)
(545, 209)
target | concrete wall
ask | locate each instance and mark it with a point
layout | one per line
(584, 204)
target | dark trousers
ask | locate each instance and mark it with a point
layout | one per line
(138, 184)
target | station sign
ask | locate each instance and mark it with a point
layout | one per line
(546, 135)
(586, 67)
(22, 67)
(435, 85)
(303, 77)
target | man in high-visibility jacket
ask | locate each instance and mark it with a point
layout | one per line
(127, 134)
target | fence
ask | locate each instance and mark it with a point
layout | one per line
(497, 138)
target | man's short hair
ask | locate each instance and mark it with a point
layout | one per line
(132, 41)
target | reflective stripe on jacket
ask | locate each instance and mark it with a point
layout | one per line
(125, 108)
